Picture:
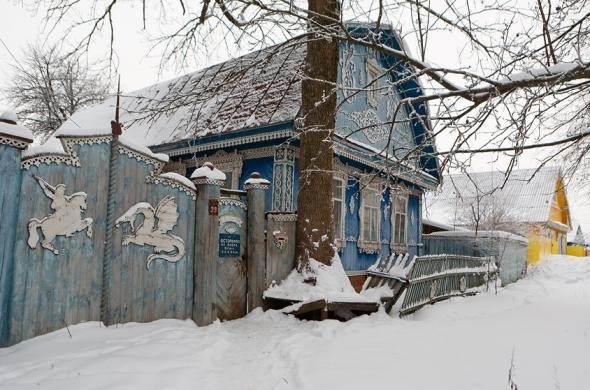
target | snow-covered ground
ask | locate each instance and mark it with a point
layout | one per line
(541, 324)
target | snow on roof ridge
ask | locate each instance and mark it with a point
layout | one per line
(217, 99)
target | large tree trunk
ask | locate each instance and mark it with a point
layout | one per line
(315, 234)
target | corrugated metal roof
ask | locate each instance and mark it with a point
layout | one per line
(525, 196)
(257, 89)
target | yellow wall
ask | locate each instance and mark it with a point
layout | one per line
(559, 207)
(544, 239)
(576, 250)
(539, 246)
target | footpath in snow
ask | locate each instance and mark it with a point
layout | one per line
(540, 325)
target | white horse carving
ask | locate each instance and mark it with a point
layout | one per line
(65, 221)
(155, 234)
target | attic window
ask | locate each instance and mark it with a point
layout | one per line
(372, 83)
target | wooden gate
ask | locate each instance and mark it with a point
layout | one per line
(232, 266)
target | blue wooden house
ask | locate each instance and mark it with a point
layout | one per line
(242, 116)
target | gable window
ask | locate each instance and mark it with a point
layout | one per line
(372, 83)
(369, 240)
(398, 220)
(339, 209)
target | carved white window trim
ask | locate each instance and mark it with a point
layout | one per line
(368, 189)
(283, 179)
(339, 236)
(402, 197)
(225, 162)
(373, 72)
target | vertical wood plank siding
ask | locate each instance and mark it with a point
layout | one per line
(9, 204)
(51, 290)
(41, 291)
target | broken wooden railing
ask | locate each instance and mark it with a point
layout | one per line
(390, 272)
(436, 277)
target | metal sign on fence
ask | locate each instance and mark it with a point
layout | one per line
(229, 245)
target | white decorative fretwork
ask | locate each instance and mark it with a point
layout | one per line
(70, 157)
(283, 179)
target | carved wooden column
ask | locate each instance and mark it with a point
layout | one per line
(208, 181)
(256, 248)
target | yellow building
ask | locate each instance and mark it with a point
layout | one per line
(576, 244)
(529, 202)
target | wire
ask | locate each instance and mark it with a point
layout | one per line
(10, 52)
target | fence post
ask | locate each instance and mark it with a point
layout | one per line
(256, 248)
(13, 139)
(280, 245)
(208, 181)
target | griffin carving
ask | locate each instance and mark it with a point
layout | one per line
(155, 229)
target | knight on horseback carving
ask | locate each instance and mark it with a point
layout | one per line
(65, 221)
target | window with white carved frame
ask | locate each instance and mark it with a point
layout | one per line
(339, 208)
(372, 82)
(229, 180)
(370, 218)
(229, 163)
(398, 220)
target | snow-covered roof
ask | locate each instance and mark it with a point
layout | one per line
(254, 90)
(525, 197)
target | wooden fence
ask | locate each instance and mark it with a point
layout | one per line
(97, 232)
(437, 277)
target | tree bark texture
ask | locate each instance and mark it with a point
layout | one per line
(315, 234)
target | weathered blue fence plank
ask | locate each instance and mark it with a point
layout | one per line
(165, 289)
(52, 290)
(9, 200)
(53, 273)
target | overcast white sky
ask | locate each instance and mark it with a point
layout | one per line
(20, 27)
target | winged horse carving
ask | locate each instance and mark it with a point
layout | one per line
(155, 229)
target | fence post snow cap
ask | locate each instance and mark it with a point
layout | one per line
(208, 174)
(256, 182)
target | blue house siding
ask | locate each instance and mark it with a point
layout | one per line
(369, 125)
(264, 166)
(413, 225)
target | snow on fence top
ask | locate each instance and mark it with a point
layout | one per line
(479, 234)
(9, 126)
